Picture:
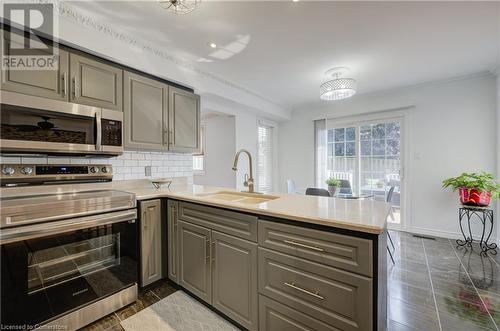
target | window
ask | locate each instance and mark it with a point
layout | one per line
(265, 158)
(199, 158)
(367, 154)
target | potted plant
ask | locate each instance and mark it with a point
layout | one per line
(474, 189)
(332, 185)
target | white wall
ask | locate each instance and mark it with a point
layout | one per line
(451, 128)
(219, 149)
(246, 138)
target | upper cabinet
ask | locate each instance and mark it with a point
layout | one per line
(146, 112)
(160, 117)
(184, 121)
(51, 84)
(157, 116)
(95, 83)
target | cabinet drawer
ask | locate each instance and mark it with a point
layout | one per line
(273, 316)
(237, 224)
(345, 252)
(336, 297)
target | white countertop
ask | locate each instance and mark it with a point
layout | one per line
(359, 215)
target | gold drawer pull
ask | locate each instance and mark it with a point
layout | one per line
(314, 248)
(295, 287)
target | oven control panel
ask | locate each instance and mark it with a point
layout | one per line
(17, 174)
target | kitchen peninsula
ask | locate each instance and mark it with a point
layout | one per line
(265, 262)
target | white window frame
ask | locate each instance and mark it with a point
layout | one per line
(399, 114)
(201, 153)
(274, 162)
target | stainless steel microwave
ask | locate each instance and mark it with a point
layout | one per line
(31, 124)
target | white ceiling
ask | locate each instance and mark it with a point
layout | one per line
(280, 50)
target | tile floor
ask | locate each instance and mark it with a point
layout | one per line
(433, 286)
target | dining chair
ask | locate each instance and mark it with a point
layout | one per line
(290, 186)
(317, 191)
(345, 187)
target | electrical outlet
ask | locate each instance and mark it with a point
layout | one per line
(147, 171)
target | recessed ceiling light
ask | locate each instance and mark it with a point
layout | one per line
(295, 0)
(212, 45)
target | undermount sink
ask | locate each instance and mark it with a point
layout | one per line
(241, 197)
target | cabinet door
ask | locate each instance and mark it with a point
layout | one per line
(194, 260)
(173, 247)
(145, 104)
(273, 316)
(184, 121)
(52, 84)
(234, 279)
(151, 264)
(95, 83)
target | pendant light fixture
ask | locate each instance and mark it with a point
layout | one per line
(181, 7)
(338, 88)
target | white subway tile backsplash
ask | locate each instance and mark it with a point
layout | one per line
(129, 165)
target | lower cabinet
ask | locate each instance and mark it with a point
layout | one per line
(234, 278)
(274, 316)
(194, 260)
(151, 234)
(289, 278)
(218, 268)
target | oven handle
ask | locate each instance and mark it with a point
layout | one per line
(72, 224)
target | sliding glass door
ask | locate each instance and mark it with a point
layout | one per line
(367, 156)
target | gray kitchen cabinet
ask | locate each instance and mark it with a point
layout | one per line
(172, 244)
(95, 83)
(145, 113)
(269, 275)
(274, 316)
(333, 249)
(237, 224)
(333, 296)
(234, 279)
(194, 260)
(51, 84)
(151, 249)
(183, 121)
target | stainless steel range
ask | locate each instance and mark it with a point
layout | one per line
(66, 259)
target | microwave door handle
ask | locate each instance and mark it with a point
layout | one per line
(98, 140)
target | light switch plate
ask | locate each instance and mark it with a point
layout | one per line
(147, 171)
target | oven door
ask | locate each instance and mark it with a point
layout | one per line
(38, 125)
(53, 268)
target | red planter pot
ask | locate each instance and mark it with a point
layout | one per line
(474, 197)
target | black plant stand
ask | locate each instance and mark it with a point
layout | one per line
(485, 216)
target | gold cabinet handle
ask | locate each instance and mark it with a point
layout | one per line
(207, 258)
(170, 137)
(298, 288)
(213, 251)
(73, 81)
(145, 224)
(63, 84)
(294, 243)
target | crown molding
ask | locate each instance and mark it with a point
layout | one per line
(68, 12)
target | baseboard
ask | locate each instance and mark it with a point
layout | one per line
(440, 233)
